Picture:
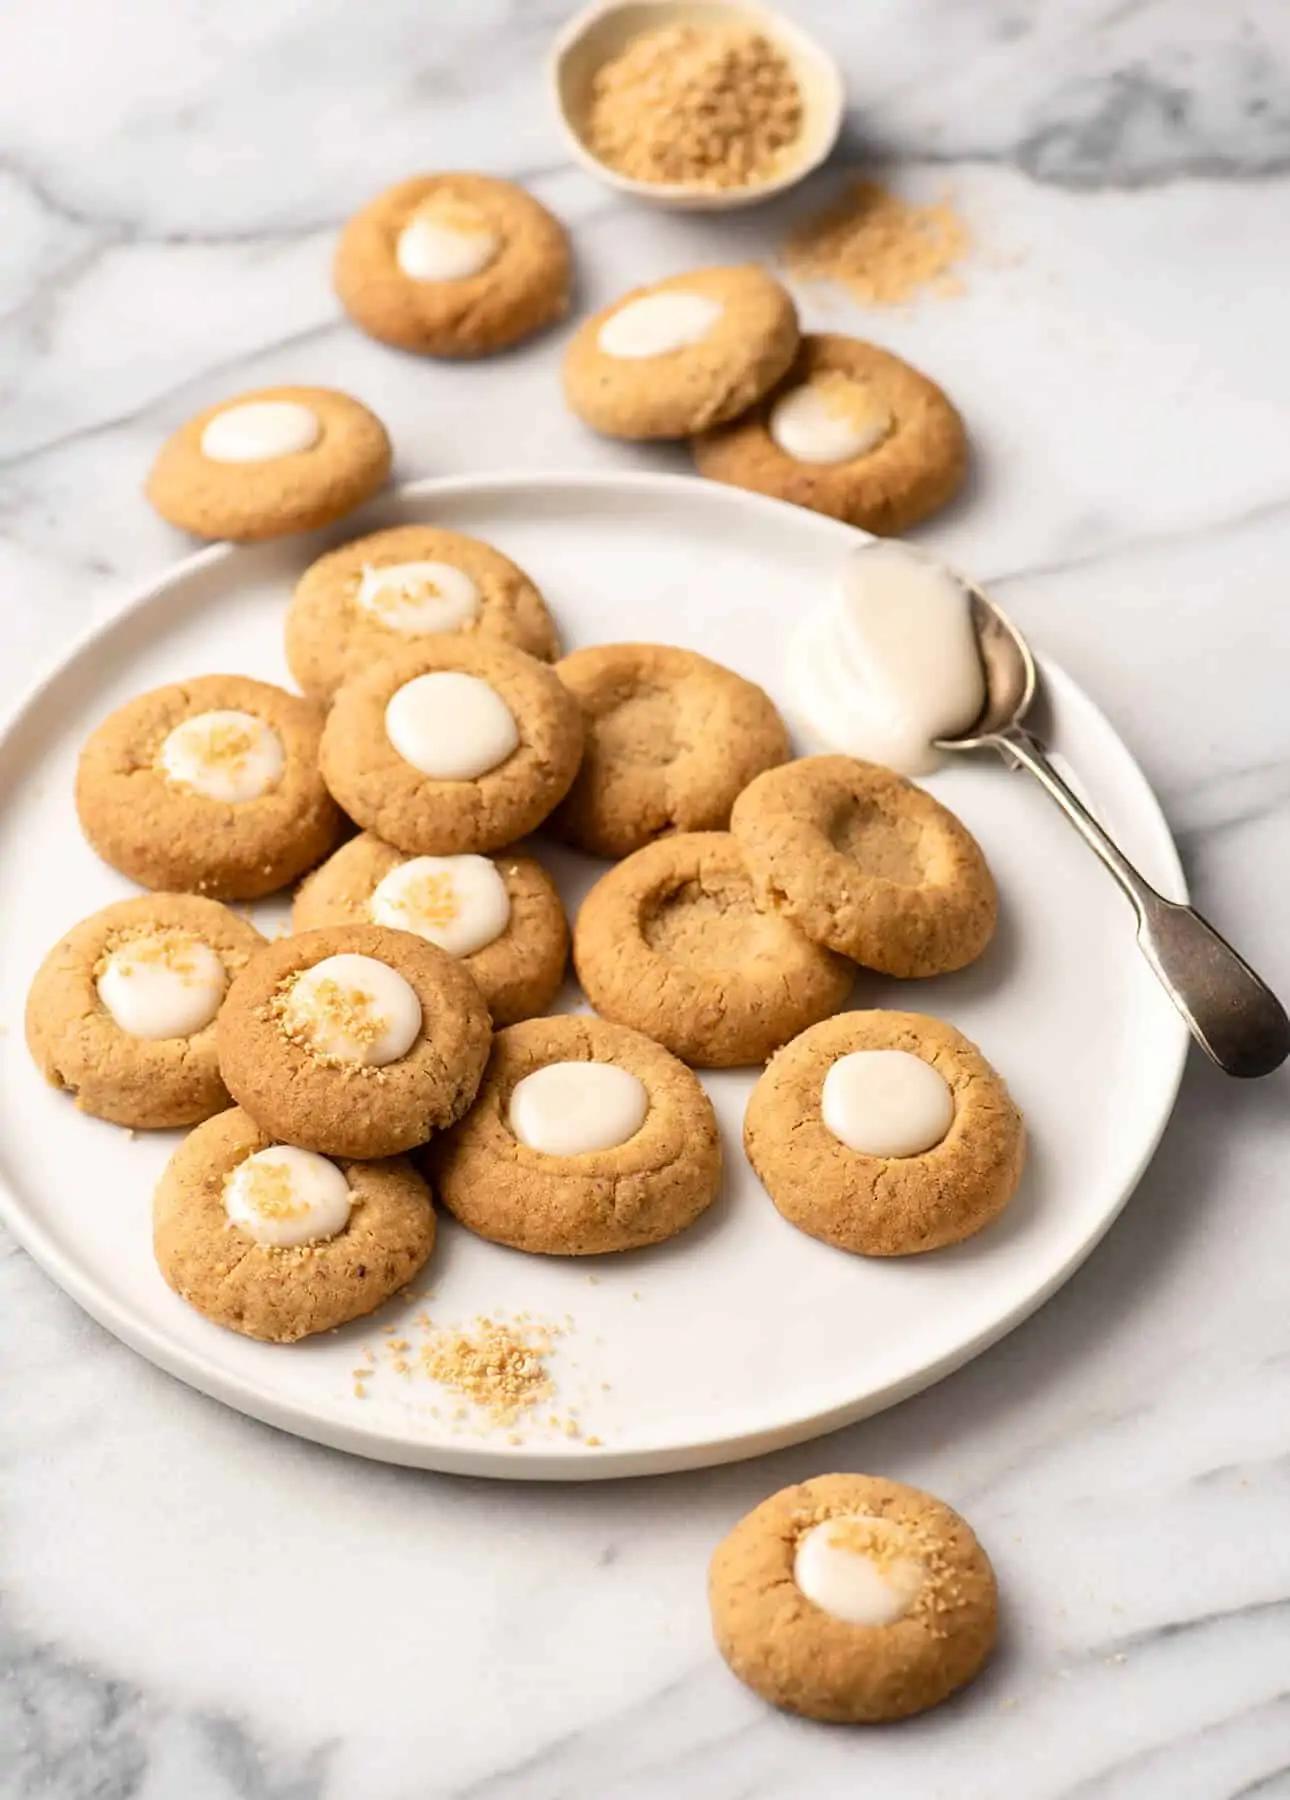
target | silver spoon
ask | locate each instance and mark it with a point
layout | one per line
(1233, 1015)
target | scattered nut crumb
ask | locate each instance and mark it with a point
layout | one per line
(879, 247)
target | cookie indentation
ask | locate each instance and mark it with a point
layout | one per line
(717, 926)
(672, 942)
(884, 846)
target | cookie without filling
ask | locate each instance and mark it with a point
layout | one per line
(518, 972)
(453, 265)
(670, 740)
(302, 1094)
(881, 1205)
(851, 431)
(284, 1293)
(208, 786)
(164, 960)
(876, 1551)
(370, 598)
(636, 1192)
(268, 463)
(442, 814)
(680, 355)
(867, 864)
(672, 942)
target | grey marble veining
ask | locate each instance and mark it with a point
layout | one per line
(193, 1607)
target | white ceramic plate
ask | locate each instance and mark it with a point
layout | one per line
(742, 1335)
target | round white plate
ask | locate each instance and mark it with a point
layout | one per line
(742, 1335)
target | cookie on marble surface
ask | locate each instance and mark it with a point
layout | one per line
(584, 1138)
(851, 431)
(671, 942)
(452, 744)
(271, 462)
(121, 1014)
(453, 265)
(885, 1133)
(278, 1242)
(501, 916)
(670, 739)
(853, 1600)
(208, 786)
(677, 356)
(868, 865)
(353, 1040)
(370, 598)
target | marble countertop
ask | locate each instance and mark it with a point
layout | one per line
(193, 1607)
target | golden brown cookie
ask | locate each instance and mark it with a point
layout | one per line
(679, 355)
(851, 431)
(289, 1243)
(453, 265)
(671, 942)
(455, 902)
(867, 864)
(875, 1189)
(670, 739)
(452, 744)
(853, 1599)
(208, 786)
(371, 597)
(354, 1040)
(584, 1138)
(121, 1014)
(274, 461)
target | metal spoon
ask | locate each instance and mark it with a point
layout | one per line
(1233, 1015)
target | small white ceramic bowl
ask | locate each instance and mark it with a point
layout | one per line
(597, 34)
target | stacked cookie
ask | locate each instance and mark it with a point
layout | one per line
(823, 421)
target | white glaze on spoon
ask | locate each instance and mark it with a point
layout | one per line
(889, 662)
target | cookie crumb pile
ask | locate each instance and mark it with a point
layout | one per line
(693, 105)
(499, 1366)
(883, 249)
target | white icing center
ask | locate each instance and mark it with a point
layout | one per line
(417, 597)
(259, 430)
(162, 985)
(828, 421)
(353, 1009)
(851, 1567)
(886, 1103)
(225, 755)
(889, 663)
(283, 1196)
(451, 726)
(570, 1108)
(458, 902)
(657, 324)
(446, 243)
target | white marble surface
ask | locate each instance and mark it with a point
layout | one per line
(195, 1608)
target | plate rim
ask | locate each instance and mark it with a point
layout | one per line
(251, 1398)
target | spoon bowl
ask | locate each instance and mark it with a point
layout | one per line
(1011, 679)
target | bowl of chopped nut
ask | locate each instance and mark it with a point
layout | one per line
(696, 105)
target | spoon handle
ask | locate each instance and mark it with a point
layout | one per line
(1233, 1015)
